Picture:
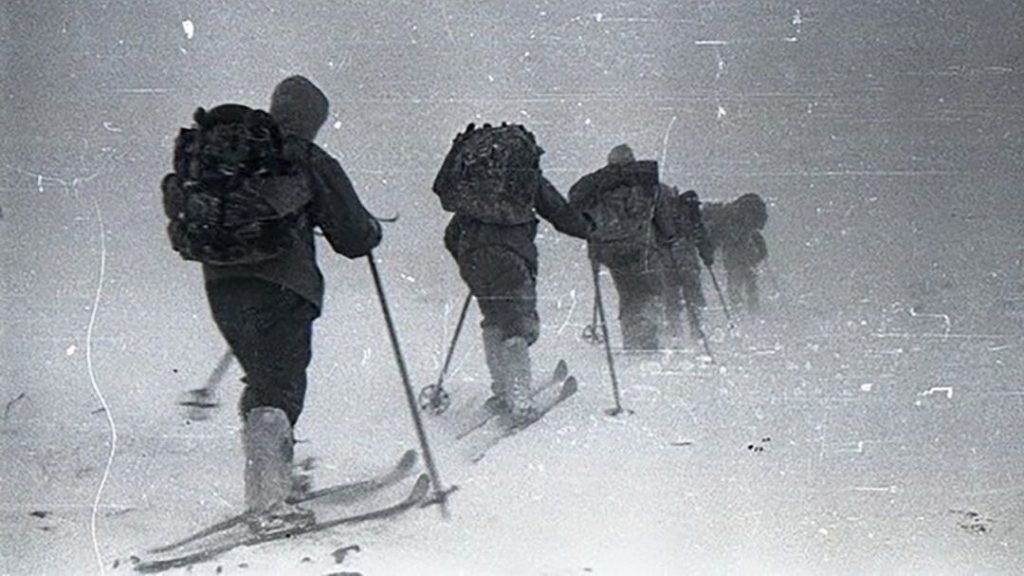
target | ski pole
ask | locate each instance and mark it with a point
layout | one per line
(590, 331)
(721, 298)
(691, 207)
(434, 399)
(618, 409)
(693, 318)
(695, 323)
(440, 494)
(218, 372)
(198, 400)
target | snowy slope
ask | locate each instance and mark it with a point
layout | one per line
(867, 423)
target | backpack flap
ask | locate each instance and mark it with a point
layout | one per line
(624, 208)
(643, 172)
(234, 198)
(492, 174)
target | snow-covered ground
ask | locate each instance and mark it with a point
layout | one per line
(869, 422)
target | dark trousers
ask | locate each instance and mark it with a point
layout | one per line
(638, 274)
(269, 329)
(505, 291)
(742, 281)
(683, 291)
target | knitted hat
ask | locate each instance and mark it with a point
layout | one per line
(299, 107)
(621, 154)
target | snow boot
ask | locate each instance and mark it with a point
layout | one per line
(519, 378)
(494, 356)
(269, 449)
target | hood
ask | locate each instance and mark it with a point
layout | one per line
(751, 210)
(621, 154)
(299, 107)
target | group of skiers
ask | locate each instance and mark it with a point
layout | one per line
(249, 189)
(653, 241)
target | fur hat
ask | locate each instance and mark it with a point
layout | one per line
(621, 154)
(299, 107)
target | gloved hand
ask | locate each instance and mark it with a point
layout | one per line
(376, 232)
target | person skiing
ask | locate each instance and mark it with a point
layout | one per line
(634, 229)
(492, 181)
(265, 309)
(683, 288)
(735, 229)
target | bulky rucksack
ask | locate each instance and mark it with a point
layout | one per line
(624, 211)
(492, 174)
(215, 198)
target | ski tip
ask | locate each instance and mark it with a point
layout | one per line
(422, 486)
(561, 370)
(569, 387)
(408, 459)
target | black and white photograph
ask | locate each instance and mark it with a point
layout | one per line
(538, 288)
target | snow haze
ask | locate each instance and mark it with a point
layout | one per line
(868, 422)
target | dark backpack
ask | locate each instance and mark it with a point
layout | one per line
(491, 174)
(216, 198)
(624, 210)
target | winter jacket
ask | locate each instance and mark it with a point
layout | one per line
(465, 233)
(332, 205)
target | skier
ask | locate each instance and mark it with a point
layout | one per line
(634, 230)
(683, 289)
(492, 181)
(265, 309)
(735, 229)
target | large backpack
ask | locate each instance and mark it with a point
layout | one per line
(624, 211)
(216, 196)
(492, 174)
